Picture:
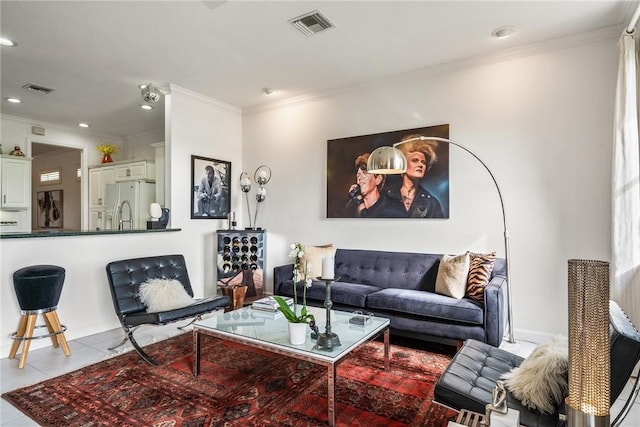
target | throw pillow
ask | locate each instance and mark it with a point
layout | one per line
(480, 267)
(541, 380)
(452, 275)
(314, 256)
(163, 294)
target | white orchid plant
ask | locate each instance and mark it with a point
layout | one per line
(300, 274)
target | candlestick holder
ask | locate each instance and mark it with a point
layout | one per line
(327, 339)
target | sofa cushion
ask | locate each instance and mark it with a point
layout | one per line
(480, 267)
(353, 294)
(387, 269)
(426, 304)
(452, 275)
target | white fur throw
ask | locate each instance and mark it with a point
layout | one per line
(163, 294)
(540, 382)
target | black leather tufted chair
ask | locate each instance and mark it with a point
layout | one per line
(125, 278)
(470, 378)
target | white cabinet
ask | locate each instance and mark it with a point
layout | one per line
(96, 222)
(15, 173)
(99, 177)
(134, 171)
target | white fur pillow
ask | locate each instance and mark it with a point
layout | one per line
(540, 382)
(452, 275)
(163, 294)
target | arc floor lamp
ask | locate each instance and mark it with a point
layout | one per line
(388, 160)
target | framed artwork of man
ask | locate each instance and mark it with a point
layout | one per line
(210, 188)
(421, 192)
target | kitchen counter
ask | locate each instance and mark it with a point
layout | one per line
(64, 233)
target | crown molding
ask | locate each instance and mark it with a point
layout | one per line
(73, 129)
(173, 88)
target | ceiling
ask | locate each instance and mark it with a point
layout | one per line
(95, 54)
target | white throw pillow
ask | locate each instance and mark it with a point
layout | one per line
(452, 275)
(541, 380)
(163, 294)
(314, 256)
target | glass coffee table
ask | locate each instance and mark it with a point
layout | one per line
(270, 332)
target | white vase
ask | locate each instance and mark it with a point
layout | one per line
(297, 333)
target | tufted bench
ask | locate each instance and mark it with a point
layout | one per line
(125, 278)
(470, 378)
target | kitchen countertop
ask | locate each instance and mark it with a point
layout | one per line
(64, 233)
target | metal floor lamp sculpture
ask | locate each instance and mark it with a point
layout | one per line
(262, 176)
(390, 160)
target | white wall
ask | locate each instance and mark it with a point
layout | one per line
(139, 146)
(203, 127)
(200, 126)
(542, 123)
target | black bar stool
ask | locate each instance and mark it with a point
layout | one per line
(38, 290)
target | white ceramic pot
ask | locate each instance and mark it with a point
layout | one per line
(297, 333)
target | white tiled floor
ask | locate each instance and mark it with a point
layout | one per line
(49, 362)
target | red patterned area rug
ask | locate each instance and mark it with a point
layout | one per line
(239, 386)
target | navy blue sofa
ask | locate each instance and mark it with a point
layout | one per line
(401, 287)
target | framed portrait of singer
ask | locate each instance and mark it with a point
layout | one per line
(421, 192)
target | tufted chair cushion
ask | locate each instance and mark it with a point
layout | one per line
(469, 381)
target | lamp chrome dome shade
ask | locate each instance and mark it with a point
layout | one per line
(386, 160)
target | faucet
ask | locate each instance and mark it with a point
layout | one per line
(122, 221)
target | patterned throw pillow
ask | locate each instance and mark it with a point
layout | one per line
(480, 267)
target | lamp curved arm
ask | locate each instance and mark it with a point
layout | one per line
(504, 218)
(457, 144)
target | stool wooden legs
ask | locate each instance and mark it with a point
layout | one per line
(52, 319)
(25, 335)
(22, 327)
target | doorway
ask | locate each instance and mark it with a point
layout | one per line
(56, 175)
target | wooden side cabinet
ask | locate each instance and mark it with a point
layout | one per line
(15, 173)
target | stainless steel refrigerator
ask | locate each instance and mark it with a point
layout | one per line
(127, 205)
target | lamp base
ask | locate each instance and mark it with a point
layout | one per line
(576, 418)
(327, 341)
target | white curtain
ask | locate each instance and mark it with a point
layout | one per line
(625, 239)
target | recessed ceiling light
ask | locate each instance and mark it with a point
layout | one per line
(268, 90)
(7, 42)
(503, 32)
(146, 107)
(84, 125)
(14, 100)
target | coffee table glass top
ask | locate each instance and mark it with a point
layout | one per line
(271, 329)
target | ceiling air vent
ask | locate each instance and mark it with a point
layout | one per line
(312, 23)
(39, 89)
